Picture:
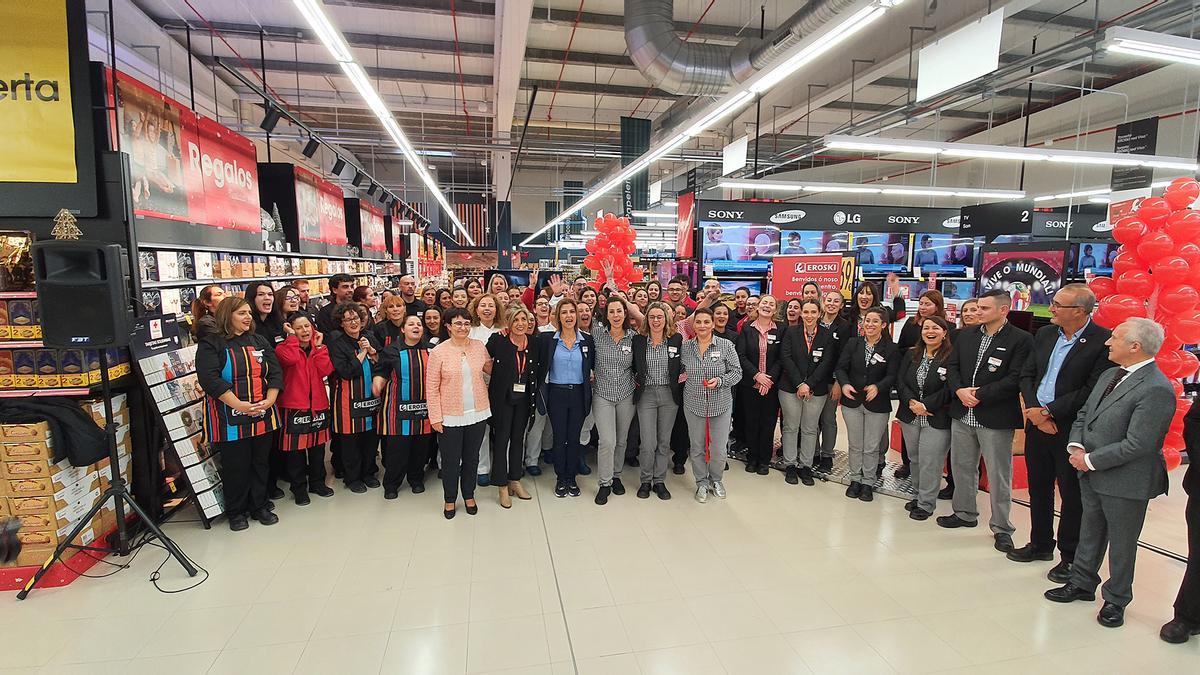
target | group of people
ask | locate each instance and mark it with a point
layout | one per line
(489, 383)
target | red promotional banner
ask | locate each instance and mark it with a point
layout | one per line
(185, 167)
(686, 215)
(371, 223)
(321, 209)
(791, 272)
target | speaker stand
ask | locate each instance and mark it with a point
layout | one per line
(119, 493)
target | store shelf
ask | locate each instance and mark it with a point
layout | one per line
(21, 344)
(249, 251)
(64, 391)
(18, 295)
(179, 283)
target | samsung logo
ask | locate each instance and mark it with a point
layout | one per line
(735, 215)
(951, 222)
(1102, 226)
(788, 216)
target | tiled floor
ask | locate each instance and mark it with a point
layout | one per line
(776, 579)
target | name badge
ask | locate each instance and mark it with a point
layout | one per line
(770, 339)
(715, 356)
(280, 338)
(519, 388)
(941, 371)
(817, 353)
(993, 361)
(257, 354)
(585, 349)
(878, 358)
(421, 314)
(626, 348)
(672, 351)
(1001, 349)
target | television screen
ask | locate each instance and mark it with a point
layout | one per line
(1031, 273)
(880, 253)
(1096, 258)
(945, 254)
(957, 290)
(514, 277)
(734, 246)
(1012, 238)
(730, 285)
(800, 242)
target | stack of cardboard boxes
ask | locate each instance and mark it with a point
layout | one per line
(51, 497)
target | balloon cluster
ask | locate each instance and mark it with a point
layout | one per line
(1156, 275)
(610, 249)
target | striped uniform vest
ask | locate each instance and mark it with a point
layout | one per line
(343, 392)
(248, 375)
(406, 386)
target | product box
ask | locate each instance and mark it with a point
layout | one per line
(20, 470)
(8, 378)
(148, 265)
(245, 266)
(25, 369)
(4, 512)
(32, 431)
(168, 266)
(28, 487)
(186, 265)
(46, 361)
(70, 368)
(259, 266)
(224, 266)
(12, 450)
(4, 333)
(120, 406)
(204, 265)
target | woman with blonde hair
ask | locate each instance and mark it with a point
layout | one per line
(657, 365)
(510, 390)
(758, 347)
(389, 322)
(486, 321)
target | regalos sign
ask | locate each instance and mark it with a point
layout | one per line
(37, 141)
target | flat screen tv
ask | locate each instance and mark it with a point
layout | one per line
(943, 253)
(801, 242)
(881, 252)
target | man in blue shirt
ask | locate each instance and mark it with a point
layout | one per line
(1068, 357)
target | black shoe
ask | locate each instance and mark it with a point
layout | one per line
(265, 516)
(661, 490)
(1029, 553)
(302, 499)
(573, 490)
(275, 493)
(866, 494)
(322, 491)
(1178, 631)
(806, 476)
(584, 469)
(449, 514)
(357, 488)
(1003, 543)
(910, 505)
(854, 490)
(270, 505)
(418, 488)
(764, 469)
(643, 491)
(953, 521)
(824, 464)
(791, 476)
(391, 494)
(677, 469)
(1069, 592)
(919, 514)
(1060, 573)
(751, 466)
(238, 523)
(903, 472)
(483, 480)
(946, 493)
(632, 461)
(560, 489)
(472, 509)
(534, 470)
(618, 488)
(602, 495)
(1111, 615)
(371, 482)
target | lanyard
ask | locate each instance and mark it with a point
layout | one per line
(808, 340)
(522, 359)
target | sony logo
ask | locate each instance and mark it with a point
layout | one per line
(904, 220)
(1058, 224)
(736, 215)
(789, 216)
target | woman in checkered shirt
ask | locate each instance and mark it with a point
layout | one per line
(712, 368)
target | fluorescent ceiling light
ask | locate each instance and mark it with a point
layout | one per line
(864, 146)
(1078, 194)
(314, 12)
(821, 46)
(855, 188)
(669, 204)
(1099, 200)
(1152, 45)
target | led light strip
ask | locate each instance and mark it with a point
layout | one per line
(314, 12)
(1152, 45)
(855, 188)
(859, 16)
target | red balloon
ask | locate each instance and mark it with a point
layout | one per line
(1136, 283)
(1120, 307)
(1174, 440)
(1129, 230)
(1154, 212)
(1171, 342)
(1182, 406)
(1168, 363)
(1127, 261)
(1154, 246)
(1182, 192)
(1178, 387)
(1189, 252)
(1105, 286)
(1188, 363)
(1184, 225)
(1170, 270)
(1186, 330)
(1179, 298)
(1102, 318)
(1172, 457)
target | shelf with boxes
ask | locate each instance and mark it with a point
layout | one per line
(50, 497)
(28, 368)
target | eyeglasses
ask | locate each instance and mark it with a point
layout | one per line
(352, 319)
(1057, 305)
(461, 324)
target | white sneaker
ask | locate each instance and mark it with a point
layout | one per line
(702, 494)
(719, 489)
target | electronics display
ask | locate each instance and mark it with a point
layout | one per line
(801, 242)
(880, 253)
(514, 277)
(945, 254)
(729, 285)
(739, 246)
(1031, 273)
(957, 290)
(1094, 258)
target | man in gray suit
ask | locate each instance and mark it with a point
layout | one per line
(1116, 445)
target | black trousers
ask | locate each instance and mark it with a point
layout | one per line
(335, 454)
(760, 413)
(460, 459)
(244, 473)
(305, 469)
(1048, 462)
(276, 464)
(564, 406)
(507, 427)
(680, 443)
(633, 444)
(358, 455)
(405, 457)
(1187, 603)
(740, 421)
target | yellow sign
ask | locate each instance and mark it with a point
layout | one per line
(37, 144)
(849, 262)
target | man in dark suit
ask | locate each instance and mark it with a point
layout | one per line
(1067, 359)
(985, 376)
(1116, 445)
(1187, 603)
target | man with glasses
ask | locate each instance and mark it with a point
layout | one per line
(677, 292)
(341, 290)
(1068, 357)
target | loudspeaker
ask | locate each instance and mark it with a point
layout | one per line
(82, 294)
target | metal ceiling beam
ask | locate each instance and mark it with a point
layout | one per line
(478, 8)
(863, 106)
(279, 66)
(1091, 67)
(905, 83)
(566, 87)
(1052, 19)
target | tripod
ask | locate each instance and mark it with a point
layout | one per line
(119, 493)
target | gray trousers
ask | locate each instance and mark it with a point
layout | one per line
(656, 410)
(707, 473)
(540, 438)
(801, 424)
(863, 429)
(829, 426)
(1108, 522)
(927, 450)
(612, 427)
(995, 445)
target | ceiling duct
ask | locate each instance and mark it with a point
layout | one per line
(693, 69)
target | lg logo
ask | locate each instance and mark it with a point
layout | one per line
(842, 218)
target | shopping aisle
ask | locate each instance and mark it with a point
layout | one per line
(776, 579)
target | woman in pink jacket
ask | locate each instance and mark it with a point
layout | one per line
(458, 407)
(304, 406)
